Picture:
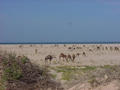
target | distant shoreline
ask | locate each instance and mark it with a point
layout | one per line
(60, 43)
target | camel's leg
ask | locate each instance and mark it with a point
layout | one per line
(66, 59)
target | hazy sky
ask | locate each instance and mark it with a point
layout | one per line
(59, 20)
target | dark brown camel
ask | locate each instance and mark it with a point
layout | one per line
(78, 54)
(98, 47)
(116, 49)
(62, 55)
(49, 58)
(69, 47)
(84, 54)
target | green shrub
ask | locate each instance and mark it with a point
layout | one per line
(12, 70)
(24, 59)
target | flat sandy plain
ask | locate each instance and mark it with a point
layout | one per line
(95, 55)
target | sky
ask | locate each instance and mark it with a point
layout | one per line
(59, 20)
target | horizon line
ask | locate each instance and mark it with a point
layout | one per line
(96, 42)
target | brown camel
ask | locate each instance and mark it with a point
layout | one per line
(98, 47)
(62, 55)
(78, 54)
(49, 58)
(84, 54)
(69, 47)
(116, 49)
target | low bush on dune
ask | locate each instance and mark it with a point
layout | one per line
(20, 74)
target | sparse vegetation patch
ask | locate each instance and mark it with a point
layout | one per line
(20, 74)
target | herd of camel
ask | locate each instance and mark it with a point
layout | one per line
(72, 57)
(63, 57)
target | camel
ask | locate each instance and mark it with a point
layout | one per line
(78, 54)
(84, 54)
(49, 58)
(98, 47)
(69, 47)
(62, 55)
(116, 49)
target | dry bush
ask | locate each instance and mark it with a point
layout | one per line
(20, 74)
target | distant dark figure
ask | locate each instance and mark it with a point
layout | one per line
(90, 50)
(83, 45)
(73, 57)
(98, 47)
(69, 47)
(64, 45)
(20, 46)
(62, 55)
(78, 54)
(49, 58)
(84, 54)
(74, 48)
(106, 48)
(116, 49)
